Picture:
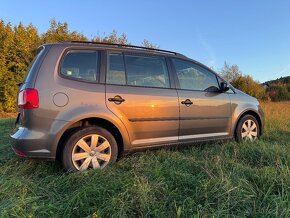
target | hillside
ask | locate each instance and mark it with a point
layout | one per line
(278, 89)
(283, 80)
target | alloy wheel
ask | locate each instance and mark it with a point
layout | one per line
(249, 130)
(91, 151)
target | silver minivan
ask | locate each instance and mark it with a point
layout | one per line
(88, 103)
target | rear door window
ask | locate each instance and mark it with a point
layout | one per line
(81, 65)
(137, 70)
(148, 71)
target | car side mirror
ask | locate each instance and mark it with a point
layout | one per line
(224, 87)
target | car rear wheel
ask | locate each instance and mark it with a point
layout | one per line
(248, 129)
(89, 148)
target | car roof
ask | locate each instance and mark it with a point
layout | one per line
(129, 48)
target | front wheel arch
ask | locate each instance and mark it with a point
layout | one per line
(248, 112)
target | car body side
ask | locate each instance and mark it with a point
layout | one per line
(41, 131)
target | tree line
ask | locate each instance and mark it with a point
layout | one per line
(275, 90)
(18, 46)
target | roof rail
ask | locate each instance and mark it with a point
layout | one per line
(127, 46)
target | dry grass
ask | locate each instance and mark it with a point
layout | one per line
(7, 115)
(277, 115)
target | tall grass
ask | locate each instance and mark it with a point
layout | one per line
(211, 180)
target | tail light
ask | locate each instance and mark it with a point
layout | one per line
(20, 153)
(28, 99)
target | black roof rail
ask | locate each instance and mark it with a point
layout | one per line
(127, 46)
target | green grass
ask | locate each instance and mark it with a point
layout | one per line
(212, 180)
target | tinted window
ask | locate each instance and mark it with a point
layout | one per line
(116, 72)
(147, 71)
(193, 77)
(81, 65)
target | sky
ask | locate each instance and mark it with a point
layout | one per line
(255, 35)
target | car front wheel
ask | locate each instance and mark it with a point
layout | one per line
(248, 129)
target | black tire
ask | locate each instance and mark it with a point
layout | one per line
(79, 134)
(238, 132)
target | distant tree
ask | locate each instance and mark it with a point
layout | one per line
(112, 38)
(122, 39)
(230, 72)
(6, 40)
(279, 89)
(25, 41)
(17, 49)
(281, 80)
(148, 44)
(279, 92)
(251, 87)
(59, 32)
(242, 82)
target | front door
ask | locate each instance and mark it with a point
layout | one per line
(138, 92)
(205, 112)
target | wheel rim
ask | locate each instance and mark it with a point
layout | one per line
(91, 151)
(249, 130)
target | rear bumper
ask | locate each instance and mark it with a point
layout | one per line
(27, 143)
(40, 142)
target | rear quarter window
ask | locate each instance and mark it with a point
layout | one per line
(81, 65)
(32, 68)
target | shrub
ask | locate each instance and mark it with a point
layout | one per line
(251, 87)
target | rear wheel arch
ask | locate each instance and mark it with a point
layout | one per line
(91, 121)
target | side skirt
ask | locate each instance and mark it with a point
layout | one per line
(178, 144)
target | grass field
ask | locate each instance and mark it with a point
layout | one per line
(230, 179)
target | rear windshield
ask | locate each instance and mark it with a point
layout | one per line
(33, 65)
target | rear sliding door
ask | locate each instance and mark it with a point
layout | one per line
(138, 92)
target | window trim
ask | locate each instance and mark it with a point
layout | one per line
(98, 62)
(108, 66)
(125, 66)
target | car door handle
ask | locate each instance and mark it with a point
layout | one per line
(187, 102)
(117, 99)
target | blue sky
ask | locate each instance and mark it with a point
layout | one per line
(255, 35)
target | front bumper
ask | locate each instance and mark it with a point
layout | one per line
(262, 118)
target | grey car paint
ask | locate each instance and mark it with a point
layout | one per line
(149, 116)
